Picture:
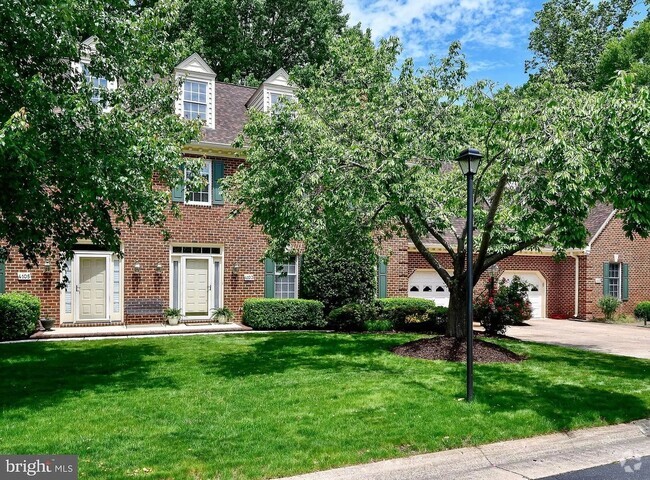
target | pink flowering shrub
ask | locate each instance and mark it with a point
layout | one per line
(507, 305)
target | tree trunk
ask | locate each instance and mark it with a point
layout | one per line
(457, 320)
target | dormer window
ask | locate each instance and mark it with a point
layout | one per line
(271, 92)
(195, 103)
(196, 93)
(98, 84)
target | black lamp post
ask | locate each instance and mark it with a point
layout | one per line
(469, 161)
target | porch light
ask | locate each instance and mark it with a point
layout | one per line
(469, 161)
(159, 268)
(235, 269)
(137, 268)
(47, 267)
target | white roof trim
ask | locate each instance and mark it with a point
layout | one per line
(602, 227)
(195, 58)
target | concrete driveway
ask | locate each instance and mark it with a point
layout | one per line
(627, 340)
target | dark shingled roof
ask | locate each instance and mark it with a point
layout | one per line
(230, 112)
(597, 217)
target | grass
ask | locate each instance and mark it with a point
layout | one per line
(263, 406)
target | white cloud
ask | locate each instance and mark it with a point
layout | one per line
(427, 27)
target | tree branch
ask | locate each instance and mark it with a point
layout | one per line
(428, 256)
(489, 221)
(497, 257)
(434, 233)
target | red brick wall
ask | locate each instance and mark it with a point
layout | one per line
(146, 294)
(636, 253)
(42, 284)
(559, 275)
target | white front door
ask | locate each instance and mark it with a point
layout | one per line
(92, 288)
(197, 285)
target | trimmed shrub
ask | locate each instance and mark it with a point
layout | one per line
(413, 314)
(338, 273)
(351, 317)
(608, 305)
(19, 314)
(642, 311)
(283, 314)
(378, 326)
(508, 305)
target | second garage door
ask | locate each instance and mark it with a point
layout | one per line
(536, 290)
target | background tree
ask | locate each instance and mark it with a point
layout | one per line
(69, 169)
(572, 34)
(364, 145)
(631, 53)
(247, 40)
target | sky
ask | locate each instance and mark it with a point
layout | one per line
(493, 33)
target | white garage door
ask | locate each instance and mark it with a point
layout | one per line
(428, 284)
(536, 291)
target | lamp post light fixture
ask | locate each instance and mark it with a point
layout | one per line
(469, 161)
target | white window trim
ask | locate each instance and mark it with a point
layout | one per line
(207, 87)
(181, 257)
(192, 76)
(619, 279)
(207, 163)
(296, 282)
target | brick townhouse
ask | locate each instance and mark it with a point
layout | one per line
(212, 260)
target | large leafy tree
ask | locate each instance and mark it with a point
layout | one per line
(247, 40)
(572, 34)
(371, 143)
(631, 53)
(69, 167)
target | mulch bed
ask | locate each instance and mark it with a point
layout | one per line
(452, 350)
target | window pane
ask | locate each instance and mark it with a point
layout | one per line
(68, 286)
(202, 195)
(175, 286)
(217, 284)
(285, 280)
(116, 286)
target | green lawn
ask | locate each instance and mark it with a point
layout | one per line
(260, 406)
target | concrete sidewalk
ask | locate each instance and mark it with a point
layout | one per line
(531, 458)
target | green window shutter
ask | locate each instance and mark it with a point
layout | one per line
(2, 276)
(605, 278)
(178, 192)
(625, 285)
(269, 278)
(217, 175)
(382, 277)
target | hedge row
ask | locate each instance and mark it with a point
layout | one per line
(283, 314)
(19, 314)
(401, 314)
